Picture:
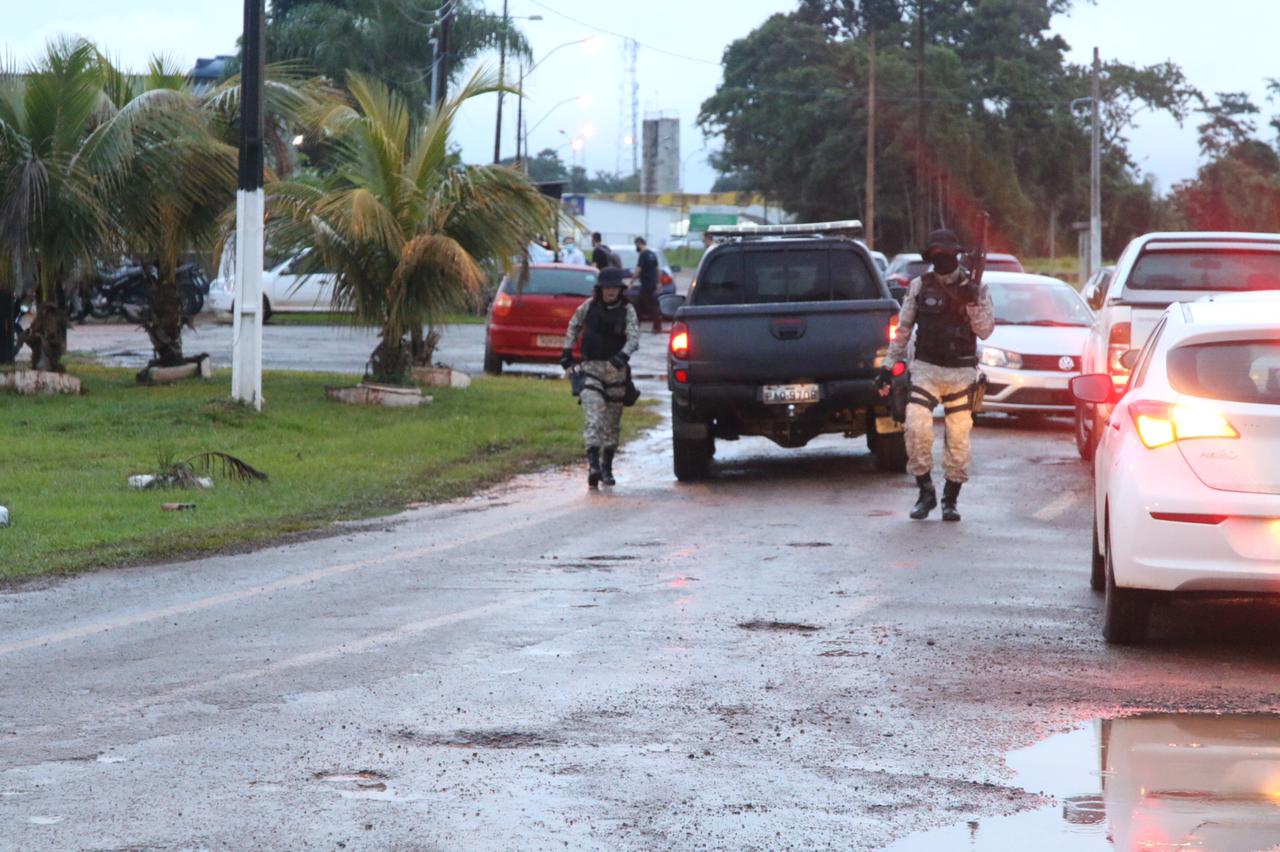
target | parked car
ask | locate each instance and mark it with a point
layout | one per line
(292, 285)
(910, 265)
(527, 320)
(1094, 290)
(882, 261)
(1154, 271)
(1030, 358)
(782, 337)
(1187, 468)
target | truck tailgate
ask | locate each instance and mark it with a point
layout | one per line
(798, 341)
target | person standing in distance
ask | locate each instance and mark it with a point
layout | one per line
(569, 251)
(600, 253)
(648, 273)
(949, 312)
(610, 332)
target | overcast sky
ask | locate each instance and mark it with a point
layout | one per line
(1220, 46)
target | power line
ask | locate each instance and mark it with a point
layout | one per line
(645, 45)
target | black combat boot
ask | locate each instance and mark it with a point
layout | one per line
(928, 498)
(606, 467)
(593, 469)
(950, 492)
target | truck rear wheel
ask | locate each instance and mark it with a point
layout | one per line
(691, 456)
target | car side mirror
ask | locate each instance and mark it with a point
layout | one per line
(1094, 388)
(669, 304)
(1129, 360)
(898, 292)
(677, 269)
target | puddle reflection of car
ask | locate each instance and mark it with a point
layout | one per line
(527, 322)
(1029, 360)
(1176, 782)
(1187, 471)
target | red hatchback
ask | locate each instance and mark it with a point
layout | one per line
(528, 323)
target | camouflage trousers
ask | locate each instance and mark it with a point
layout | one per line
(602, 396)
(948, 387)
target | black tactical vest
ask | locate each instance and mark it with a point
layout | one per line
(605, 330)
(944, 337)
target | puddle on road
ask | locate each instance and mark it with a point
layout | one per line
(1156, 782)
(481, 739)
(780, 626)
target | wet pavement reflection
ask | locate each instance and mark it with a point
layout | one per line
(1148, 782)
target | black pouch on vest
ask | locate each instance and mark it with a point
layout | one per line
(577, 381)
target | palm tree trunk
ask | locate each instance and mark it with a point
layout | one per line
(48, 338)
(164, 326)
(391, 361)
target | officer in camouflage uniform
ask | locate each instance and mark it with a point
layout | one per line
(610, 332)
(949, 312)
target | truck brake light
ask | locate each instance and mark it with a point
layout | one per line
(1118, 343)
(893, 328)
(680, 340)
(1162, 423)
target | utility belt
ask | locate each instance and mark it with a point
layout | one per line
(579, 383)
(905, 393)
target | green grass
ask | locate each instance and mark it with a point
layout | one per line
(328, 318)
(66, 459)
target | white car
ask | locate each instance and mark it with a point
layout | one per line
(910, 265)
(287, 287)
(1187, 470)
(1154, 271)
(1029, 360)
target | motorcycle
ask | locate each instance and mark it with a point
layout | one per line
(125, 292)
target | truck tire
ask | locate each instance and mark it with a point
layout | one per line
(890, 451)
(492, 363)
(691, 457)
(1084, 437)
(1125, 612)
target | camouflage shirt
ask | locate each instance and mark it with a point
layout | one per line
(982, 317)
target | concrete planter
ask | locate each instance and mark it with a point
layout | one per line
(441, 377)
(40, 383)
(201, 366)
(388, 396)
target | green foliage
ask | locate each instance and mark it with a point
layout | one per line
(988, 125)
(327, 462)
(407, 230)
(546, 166)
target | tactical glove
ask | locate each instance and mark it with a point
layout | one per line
(566, 358)
(968, 292)
(620, 360)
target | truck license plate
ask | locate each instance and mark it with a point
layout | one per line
(549, 341)
(789, 394)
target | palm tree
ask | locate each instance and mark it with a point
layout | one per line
(405, 228)
(66, 149)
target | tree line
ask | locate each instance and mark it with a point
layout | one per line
(977, 108)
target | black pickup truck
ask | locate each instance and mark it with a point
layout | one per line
(782, 334)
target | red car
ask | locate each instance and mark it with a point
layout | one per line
(527, 322)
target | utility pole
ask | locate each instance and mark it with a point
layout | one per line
(922, 177)
(442, 62)
(8, 309)
(246, 364)
(870, 224)
(502, 70)
(1095, 171)
(520, 151)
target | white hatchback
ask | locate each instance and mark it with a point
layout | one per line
(1187, 468)
(288, 286)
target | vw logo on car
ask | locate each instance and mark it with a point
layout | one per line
(1066, 363)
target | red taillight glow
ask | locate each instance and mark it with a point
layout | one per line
(1161, 423)
(666, 279)
(680, 340)
(502, 305)
(1118, 343)
(893, 328)
(1184, 518)
(899, 368)
(682, 376)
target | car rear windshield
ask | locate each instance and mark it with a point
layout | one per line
(554, 282)
(755, 277)
(1237, 370)
(1205, 269)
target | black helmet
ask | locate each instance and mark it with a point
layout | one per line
(611, 276)
(943, 240)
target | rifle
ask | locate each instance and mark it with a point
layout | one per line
(978, 257)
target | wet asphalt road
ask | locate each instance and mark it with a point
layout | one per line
(776, 658)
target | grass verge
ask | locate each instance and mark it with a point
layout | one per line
(66, 459)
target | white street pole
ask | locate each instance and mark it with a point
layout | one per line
(246, 358)
(1095, 172)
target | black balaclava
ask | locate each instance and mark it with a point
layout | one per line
(944, 262)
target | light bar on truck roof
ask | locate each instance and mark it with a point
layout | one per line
(847, 227)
